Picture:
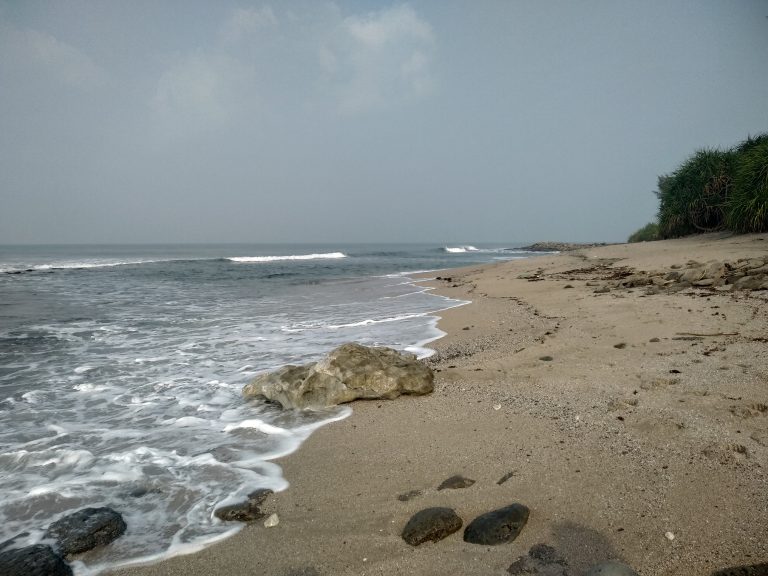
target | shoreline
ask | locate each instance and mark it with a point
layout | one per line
(608, 448)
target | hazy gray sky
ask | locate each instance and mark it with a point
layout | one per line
(217, 121)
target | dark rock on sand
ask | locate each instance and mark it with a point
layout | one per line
(431, 524)
(244, 511)
(37, 560)
(546, 554)
(456, 482)
(546, 358)
(610, 568)
(506, 477)
(753, 570)
(497, 527)
(410, 495)
(543, 560)
(349, 372)
(86, 529)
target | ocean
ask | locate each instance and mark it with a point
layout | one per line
(121, 369)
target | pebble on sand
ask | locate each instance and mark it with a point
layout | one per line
(272, 520)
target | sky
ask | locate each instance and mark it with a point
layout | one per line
(369, 121)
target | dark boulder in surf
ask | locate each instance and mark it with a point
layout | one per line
(348, 373)
(37, 560)
(244, 511)
(86, 529)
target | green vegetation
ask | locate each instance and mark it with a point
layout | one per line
(647, 233)
(694, 197)
(748, 205)
(714, 190)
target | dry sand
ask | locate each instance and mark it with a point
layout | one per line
(615, 441)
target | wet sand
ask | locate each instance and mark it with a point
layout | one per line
(616, 417)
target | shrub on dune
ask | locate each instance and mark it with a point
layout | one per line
(748, 204)
(647, 233)
(694, 197)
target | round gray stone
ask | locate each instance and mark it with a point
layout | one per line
(497, 527)
(431, 524)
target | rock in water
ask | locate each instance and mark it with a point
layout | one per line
(86, 529)
(244, 511)
(349, 372)
(498, 526)
(456, 482)
(431, 524)
(37, 560)
(611, 568)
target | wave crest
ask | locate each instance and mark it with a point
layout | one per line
(460, 249)
(256, 259)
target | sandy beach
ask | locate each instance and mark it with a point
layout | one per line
(631, 421)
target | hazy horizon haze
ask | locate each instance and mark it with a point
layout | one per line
(306, 122)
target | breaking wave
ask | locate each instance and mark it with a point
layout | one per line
(253, 259)
(460, 249)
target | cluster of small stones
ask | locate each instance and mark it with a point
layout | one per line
(743, 274)
(493, 528)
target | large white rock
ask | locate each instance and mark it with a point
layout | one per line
(349, 372)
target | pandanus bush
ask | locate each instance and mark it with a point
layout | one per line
(748, 203)
(695, 197)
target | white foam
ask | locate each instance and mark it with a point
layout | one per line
(460, 249)
(89, 387)
(98, 264)
(189, 421)
(257, 259)
(83, 369)
(259, 425)
(370, 321)
(33, 396)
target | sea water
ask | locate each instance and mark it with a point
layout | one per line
(121, 369)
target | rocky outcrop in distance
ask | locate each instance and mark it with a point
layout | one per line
(559, 246)
(350, 372)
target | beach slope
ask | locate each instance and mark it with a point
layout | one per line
(631, 420)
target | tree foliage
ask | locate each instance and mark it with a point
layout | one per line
(716, 190)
